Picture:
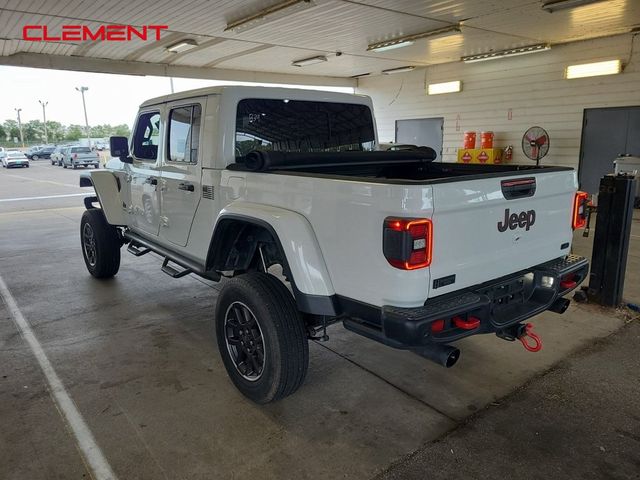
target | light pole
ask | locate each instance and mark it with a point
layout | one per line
(44, 116)
(18, 110)
(84, 105)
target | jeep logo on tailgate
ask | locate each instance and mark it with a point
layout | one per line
(517, 220)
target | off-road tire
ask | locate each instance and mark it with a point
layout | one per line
(286, 348)
(103, 261)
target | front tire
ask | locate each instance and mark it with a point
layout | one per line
(35, 157)
(261, 337)
(100, 244)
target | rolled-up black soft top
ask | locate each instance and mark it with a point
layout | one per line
(260, 161)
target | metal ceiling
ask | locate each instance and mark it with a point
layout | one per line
(265, 52)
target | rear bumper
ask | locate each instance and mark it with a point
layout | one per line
(88, 163)
(491, 307)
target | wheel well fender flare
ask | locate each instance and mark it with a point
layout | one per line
(107, 188)
(298, 246)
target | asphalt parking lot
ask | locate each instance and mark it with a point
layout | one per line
(137, 357)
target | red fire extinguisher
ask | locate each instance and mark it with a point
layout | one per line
(508, 153)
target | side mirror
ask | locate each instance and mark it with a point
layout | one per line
(119, 147)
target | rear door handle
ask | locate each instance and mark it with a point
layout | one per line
(187, 187)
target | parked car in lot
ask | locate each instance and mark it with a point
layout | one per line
(412, 253)
(76, 156)
(31, 150)
(15, 158)
(58, 154)
(44, 152)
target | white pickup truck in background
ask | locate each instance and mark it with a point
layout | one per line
(282, 191)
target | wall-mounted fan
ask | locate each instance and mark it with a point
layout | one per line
(535, 143)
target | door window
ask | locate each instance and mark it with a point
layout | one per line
(147, 136)
(184, 134)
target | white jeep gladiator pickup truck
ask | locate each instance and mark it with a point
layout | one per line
(282, 193)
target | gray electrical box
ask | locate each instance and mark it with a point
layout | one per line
(629, 164)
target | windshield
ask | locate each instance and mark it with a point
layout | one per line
(302, 126)
(81, 150)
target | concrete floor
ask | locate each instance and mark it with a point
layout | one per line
(138, 358)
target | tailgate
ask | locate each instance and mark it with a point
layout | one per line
(487, 228)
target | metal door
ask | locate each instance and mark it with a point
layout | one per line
(144, 173)
(181, 169)
(421, 132)
(606, 133)
(633, 133)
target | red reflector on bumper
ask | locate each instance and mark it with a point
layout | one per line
(469, 324)
(437, 326)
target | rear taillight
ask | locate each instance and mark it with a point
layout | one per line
(408, 242)
(579, 219)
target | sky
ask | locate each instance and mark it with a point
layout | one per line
(111, 99)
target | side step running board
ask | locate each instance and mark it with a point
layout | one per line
(140, 243)
(172, 272)
(136, 249)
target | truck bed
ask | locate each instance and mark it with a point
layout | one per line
(471, 207)
(425, 174)
(414, 167)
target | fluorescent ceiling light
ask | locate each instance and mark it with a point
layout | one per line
(512, 52)
(182, 46)
(610, 67)
(360, 75)
(391, 71)
(407, 40)
(392, 46)
(309, 61)
(445, 87)
(268, 14)
(566, 4)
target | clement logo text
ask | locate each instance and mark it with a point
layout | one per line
(83, 33)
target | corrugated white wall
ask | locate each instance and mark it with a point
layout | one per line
(531, 87)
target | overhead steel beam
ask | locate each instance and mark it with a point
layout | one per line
(100, 65)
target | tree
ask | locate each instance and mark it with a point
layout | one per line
(55, 131)
(100, 131)
(74, 133)
(11, 128)
(121, 130)
(33, 131)
(106, 130)
(3, 134)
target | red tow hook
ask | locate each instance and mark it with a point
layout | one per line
(536, 346)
